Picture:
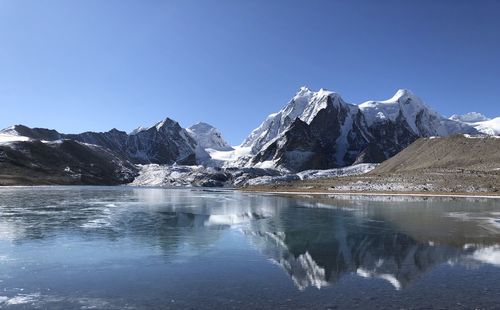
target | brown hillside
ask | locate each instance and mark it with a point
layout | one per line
(454, 153)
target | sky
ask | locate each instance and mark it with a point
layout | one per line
(95, 65)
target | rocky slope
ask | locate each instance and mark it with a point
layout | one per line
(62, 162)
(164, 143)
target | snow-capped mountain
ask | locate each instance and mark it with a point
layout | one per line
(480, 122)
(208, 137)
(319, 130)
(314, 131)
(422, 120)
(163, 143)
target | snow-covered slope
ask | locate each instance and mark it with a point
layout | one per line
(480, 122)
(471, 117)
(422, 120)
(208, 137)
(10, 135)
(277, 123)
(489, 127)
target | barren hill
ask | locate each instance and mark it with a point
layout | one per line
(452, 153)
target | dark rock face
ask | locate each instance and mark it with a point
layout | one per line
(333, 138)
(298, 149)
(64, 162)
(392, 137)
(371, 154)
(114, 139)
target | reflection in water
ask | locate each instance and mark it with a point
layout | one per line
(315, 241)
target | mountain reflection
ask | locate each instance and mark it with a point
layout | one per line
(317, 247)
(315, 241)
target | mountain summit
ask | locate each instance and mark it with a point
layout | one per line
(208, 137)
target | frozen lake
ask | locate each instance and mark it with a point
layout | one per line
(151, 248)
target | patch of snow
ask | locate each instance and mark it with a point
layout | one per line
(330, 173)
(387, 277)
(7, 138)
(342, 143)
(137, 130)
(489, 255)
(489, 127)
(232, 158)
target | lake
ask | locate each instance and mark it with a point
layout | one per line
(152, 248)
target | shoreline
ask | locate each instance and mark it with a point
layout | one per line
(487, 195)
(409, 194)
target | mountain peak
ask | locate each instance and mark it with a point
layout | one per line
(201, 126)
(325, 92)
(303, 91)
(208, 137)
(402, 94)
(167, 122)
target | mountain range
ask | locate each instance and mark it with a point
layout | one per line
(314, 130)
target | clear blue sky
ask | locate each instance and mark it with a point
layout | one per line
(95, 65)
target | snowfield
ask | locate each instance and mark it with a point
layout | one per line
(314, 174)
(489, 127)
(480, 122)
(177, 175)
(6, 138)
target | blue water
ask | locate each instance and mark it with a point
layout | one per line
(148, 248)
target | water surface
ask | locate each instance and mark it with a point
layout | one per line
(149, 248)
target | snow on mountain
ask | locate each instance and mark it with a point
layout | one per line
(471, 117)
(166, 142)
(489, 127)
(480, 122)
(137, 130)
(340, 134)
(313, 174)
(6, 138)
(277, 123)
(9, 134)
(208, 137)
(422, 120)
